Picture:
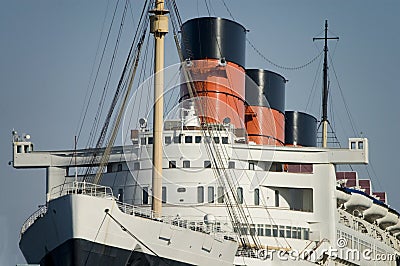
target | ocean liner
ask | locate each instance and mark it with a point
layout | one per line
(228, 177)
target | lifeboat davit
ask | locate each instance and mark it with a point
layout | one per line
(388, 220)
(358, 202)
(394, 229)
(375, 212)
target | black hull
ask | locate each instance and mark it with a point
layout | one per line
(77, 252)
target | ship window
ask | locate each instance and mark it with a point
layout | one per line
(306, 233)
(150, 140)
(224, 140)
(210, 195)
(120, 194)
(257, 196)
(168, 140)
(360, 145)
(281, 231)
(197, 139)
(19, 149)
(216, 140)
(207, 164)
(251, 165)
(145, 195)
(275, 231)
(252, 229)
(188, 139)
(172, 164)
(294, 232)
(353, 145)
(260, 229)
(288, 231)
(136, 166)
(181, 190)
(207, 139)
(109, 168)
(220, 198)
(164, 195)
(26, 148)
(276, 198)
(177, 139)
(231, 165)
(240, 195)
(142, 141)
(268, 230)
(200, 194)
(186, 164)
(298, 232)
(119, 167)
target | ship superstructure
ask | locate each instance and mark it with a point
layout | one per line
(243, 181)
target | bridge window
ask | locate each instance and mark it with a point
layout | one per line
(231, 165)
(186, 164)
(210, 194)
(224, 140)
(145, 195)
(216, 140)
(220, 197)
(177, 139)
(172, 164)
(142, 141)
(240, 195)
(251, 165)
(207, 164)
(164, 195)
(276, 198)
(257, 196)
(188, 139)
(168, 140)
(200, 194)
(197, 139)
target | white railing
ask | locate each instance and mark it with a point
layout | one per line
(83, 188)
(36, 215)
(193, 224)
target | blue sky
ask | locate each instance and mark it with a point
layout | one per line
(48, 49)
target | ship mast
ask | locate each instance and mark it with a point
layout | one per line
(325, 89)
(158, 27)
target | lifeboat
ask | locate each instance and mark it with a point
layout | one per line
(375, 212)
(388, 220)
(341, 196)
(358, 202)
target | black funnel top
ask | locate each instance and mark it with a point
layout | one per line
(215, 38)
(300, 129)
(268, 90)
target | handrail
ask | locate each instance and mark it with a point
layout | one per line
(36, 215)
(83, 188)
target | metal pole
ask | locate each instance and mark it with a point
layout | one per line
(159, 27)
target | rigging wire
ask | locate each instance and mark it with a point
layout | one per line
(86, 100)
(279, 66)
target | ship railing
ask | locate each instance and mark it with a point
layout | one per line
(193, 224)
(83, 188)
(31, 220)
